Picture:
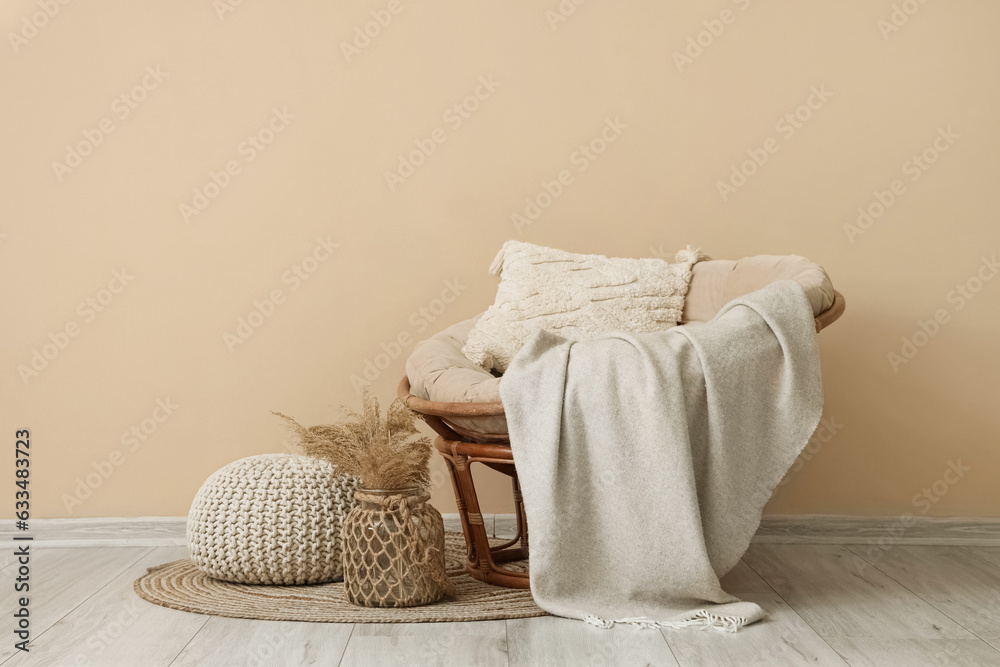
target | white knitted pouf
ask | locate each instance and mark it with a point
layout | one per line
(271, 519)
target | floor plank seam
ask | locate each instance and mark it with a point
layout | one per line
(188, 643)
(663, 633)
(982, 558)
(927, 602)
(347, 644)
(802, 637)
(84, 601)
(795, 611)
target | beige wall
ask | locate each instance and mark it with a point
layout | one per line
(341, 124)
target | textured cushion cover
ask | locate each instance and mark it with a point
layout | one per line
(576, 296)
(438, 370)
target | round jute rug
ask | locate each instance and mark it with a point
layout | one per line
(181, 585)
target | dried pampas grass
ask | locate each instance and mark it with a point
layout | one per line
(385, 452)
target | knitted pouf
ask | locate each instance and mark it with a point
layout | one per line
(271, 519)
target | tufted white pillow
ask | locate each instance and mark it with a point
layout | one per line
(576, 296)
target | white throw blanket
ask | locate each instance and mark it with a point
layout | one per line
(645, 460)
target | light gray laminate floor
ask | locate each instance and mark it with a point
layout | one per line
(826, 604)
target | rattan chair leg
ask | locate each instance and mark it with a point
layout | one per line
(476, 536)
(460, 503)
(482, 558)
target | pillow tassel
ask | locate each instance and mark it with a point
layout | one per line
(689, 256)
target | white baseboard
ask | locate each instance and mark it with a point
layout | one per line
(915, 530)
(774, 529)
(147, 531)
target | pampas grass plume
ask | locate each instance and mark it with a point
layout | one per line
(384, 451)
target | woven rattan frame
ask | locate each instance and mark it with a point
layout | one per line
(461, 448)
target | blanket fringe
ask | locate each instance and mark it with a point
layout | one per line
(700, 619)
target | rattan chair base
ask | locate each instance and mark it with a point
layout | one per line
(483, 562)
(459, 449)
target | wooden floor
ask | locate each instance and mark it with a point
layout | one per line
(826, 604)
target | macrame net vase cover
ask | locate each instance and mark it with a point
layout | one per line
(393, 544)
(271, 519)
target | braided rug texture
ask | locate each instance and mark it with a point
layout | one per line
(181, 585)
(271, 519)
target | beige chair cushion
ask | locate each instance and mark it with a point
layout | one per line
(717, 282)
(438, 370)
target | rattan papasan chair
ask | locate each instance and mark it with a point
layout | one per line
(461, 401)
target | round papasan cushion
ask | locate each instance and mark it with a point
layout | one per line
(271, 519)
(439, 371)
